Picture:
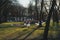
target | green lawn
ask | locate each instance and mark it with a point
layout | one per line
(10, 32)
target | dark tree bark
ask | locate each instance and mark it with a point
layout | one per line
(30, 10)
(41, 14)
(36, 9)
(45, 35)
(3, 4)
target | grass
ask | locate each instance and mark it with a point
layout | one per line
(8, 24)
(13, 23)
(10, 32)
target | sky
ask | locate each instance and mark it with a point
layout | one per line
(25, 3)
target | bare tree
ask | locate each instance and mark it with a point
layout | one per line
(45, 36)
(3, 5)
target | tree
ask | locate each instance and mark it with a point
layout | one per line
(41, 13)
(30, 9)
(48, 20)
(3, 4)
(36, 9)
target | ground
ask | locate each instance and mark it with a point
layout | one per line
(8, 32)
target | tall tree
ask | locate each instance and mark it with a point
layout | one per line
(41, 13)
(45, 36)
(36, 9)
(30, 9)
(3, 4)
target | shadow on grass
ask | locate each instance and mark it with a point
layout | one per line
(18, 35)
(40, 37)
(30, 33)
(58, 35)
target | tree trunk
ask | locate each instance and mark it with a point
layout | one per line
(45, 35)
